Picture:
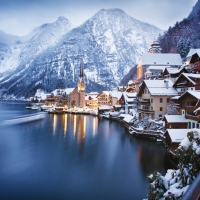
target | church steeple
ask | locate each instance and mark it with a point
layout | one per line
(81, 82)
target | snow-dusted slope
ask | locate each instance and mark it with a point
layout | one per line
(110, 44)
(28, 47)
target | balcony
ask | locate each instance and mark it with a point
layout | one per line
(193, 117)
(190, 108)
(145, 101)
(146, 109)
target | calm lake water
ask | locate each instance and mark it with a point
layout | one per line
(73, 157)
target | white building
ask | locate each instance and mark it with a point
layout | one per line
(155, 96)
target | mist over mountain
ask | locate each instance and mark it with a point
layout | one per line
(109, 43)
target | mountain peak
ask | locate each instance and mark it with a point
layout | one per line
(62, 18)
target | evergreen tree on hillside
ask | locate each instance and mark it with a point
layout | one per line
(183, 46)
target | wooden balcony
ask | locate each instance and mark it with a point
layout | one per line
(145, 101)
(146, 109)
(190, 108)
(193, 117)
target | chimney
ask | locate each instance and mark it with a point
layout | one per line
(166, 83)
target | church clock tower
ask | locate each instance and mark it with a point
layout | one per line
(81, 87)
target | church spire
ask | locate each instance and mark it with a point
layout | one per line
(81, 82)
(81, 69)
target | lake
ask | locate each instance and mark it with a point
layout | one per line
(73, 157)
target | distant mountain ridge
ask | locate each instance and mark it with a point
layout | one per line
(109, 43)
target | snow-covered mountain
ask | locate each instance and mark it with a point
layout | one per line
(109, 43)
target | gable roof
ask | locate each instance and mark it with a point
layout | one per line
(188, 76)
(160, 59)
(116, 94)
(103, 92)
(195, 94)
(175, 119)
(192, 52)
(159, 88)
(177, 135)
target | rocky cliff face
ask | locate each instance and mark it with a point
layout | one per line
(109, 43)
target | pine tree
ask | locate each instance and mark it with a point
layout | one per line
(184, 46)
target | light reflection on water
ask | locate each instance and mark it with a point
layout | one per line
(73, 157)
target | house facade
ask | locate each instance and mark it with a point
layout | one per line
(154, 97)
(104, 98)
(190, 102)
(174, 138)
(67, 97)
(157, 59)
(187, 82)
(175, 122)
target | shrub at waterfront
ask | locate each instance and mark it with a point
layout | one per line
(175, 183)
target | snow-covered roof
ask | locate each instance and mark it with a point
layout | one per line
(92, 96)
(131, 94)
(157, 83)
(106, 92)
(148, 72)
(130, 82)
(116, 94)
(195, 94)
(172, 70)
(177, 135)
(196, 110)
(62, 91)
(175, 119)
(157, 67)
(104, 107)
(192, 52)
(175, 97)
(128, 118)
(163, 91)
(189, 76)
(159, 87)
(160, 59)
(93, 93)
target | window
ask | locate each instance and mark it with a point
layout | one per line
(168, 100)
(197, 125)
(193, 125)
(161, 109)
(161, 100)
(189, 125)
(186, 103)
(151, 100)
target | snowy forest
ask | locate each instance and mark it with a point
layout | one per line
(183, 35)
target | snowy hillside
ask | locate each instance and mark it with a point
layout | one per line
(28, 47)
(110, 44)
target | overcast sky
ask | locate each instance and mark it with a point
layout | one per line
(19, 17)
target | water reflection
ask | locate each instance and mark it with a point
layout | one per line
(74, 157)
(95, 124)
(79, 124)
(54, 124)
(65, 125)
